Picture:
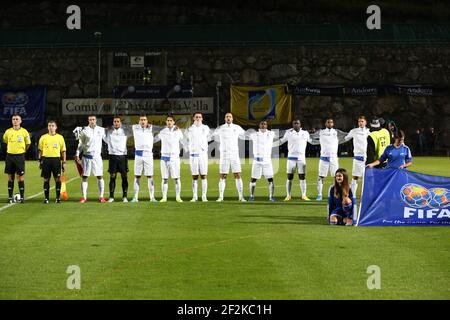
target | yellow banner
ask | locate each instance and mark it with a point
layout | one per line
(250, 105)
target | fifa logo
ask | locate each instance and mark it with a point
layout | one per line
(14, 103)
(417, 198)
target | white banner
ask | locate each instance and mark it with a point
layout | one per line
(110, 106)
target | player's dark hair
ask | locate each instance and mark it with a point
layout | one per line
(92, 115)
(341, 190)
(362, 117)
(296, 119)
(198, 112)
(52, 121)
(170, 116)
(16, 115)
(399, 134)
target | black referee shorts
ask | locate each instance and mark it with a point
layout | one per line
(118, 164)
(15, 164)
(51, 166)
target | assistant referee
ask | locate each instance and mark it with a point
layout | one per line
(18, 141)
(52, 149)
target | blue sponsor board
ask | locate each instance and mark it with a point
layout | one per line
(30, 103)
(396, 197)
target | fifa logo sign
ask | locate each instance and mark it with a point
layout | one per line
(14, 103)
(425, 203)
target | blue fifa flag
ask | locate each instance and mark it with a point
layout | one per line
(397, 197)
(30, 103)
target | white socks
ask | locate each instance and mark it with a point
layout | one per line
(194, 189)
(84, 186)
(288, 187)
(204, 187)
(319, 186)
(136, 186)
(271, 189)
(101, 187)
(165, 188)
(151, 188)
(354, 187)
(239, 187)
(303, 187)
(221, 188)
(177, 188)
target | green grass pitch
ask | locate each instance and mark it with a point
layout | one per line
(228, 250)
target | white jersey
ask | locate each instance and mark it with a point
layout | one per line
(143, 139)
(262, 144)
(328, 143)
(90, 141)
(117, 140)
(296, 142)
(170, 142)
(228, 136)
(359, 136)
(198, 137)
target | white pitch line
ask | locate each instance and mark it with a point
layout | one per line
(34, 195)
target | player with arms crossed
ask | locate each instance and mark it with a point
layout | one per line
(198, 135)
(90, 144)
(262, 158)
(52, 148)
(359, 136)
(171, 138)
(228, 136)
(18, 141)
(297, 140)
(116, 138)
(143, 161)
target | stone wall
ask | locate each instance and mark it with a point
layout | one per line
(73, 73)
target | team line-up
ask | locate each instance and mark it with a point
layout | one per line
(195, 139)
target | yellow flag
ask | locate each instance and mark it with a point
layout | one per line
(64, 194)
(250, 105)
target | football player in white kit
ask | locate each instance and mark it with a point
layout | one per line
(116, 138)
(297, 140)
(171, 138)
(359, 136)
(198, 135)
(329, 142)
(143, 161)
(90, 144)
(228, 136)
(262, 158)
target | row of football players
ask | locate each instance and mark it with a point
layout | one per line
(88, 155)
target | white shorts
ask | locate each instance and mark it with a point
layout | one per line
(264, 168)
(199, 164)
(300, 164)
(170, 168)
(325, 166)
(225, 164)
(358, 168)
(143, 166)
(94, 166)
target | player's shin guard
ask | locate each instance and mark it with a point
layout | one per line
(46, 189)
(112, 187)
(319, 186)
(22, 189)
(240, 187)
(354, 186)
(177, 188)
(303, 187)
(57, 189)
(204, 187)
(84, 187)
(136, 186)
(124, 187)
(252, 188)
(288, 187)
(151, 188)
(221, 188)
(165, 188)
(194, 189)
(101, 187)
(10, 189)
